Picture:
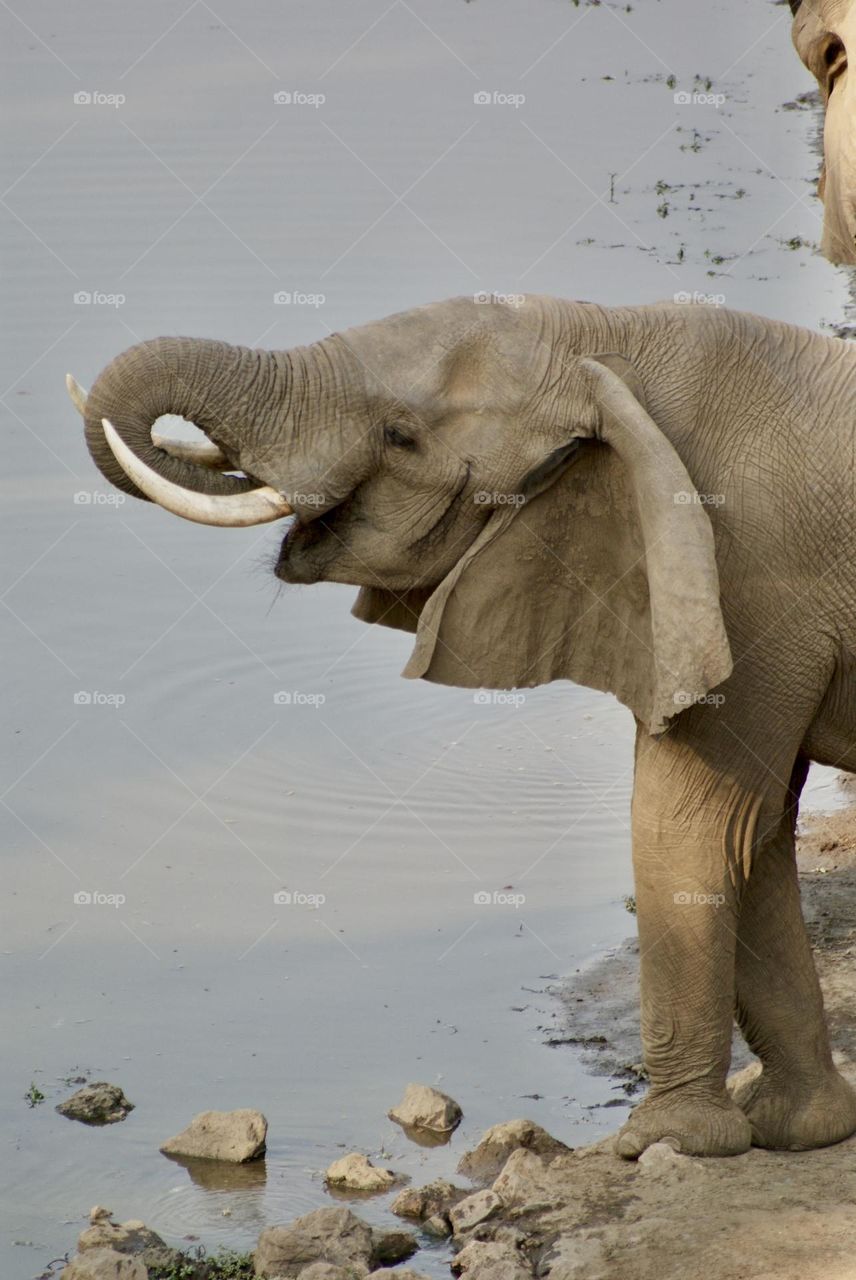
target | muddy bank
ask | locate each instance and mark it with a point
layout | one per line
(760, 1216)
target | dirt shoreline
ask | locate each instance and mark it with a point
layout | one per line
(761, 1216)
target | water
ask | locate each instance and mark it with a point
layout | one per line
(199, 797)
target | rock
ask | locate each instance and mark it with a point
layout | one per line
(329, 1271)
(525, 1180)
(485, 1162)
(97, 1103)
(739, 1081)
(661, 1157)
(132, 1237)
(425, 1108)
(489, 1260)
(577, 1257)
(104, 1264)
(356, 1173)
(438, 1226)
(335, 1236)
(392, 1273)
(221, 1135)
(421, 1203)
(474, 1209)
(390, 1247)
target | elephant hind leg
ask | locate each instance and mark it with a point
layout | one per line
(799, 1100)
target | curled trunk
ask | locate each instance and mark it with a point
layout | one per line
(211, 384)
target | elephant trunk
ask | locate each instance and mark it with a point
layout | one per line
(216, 386)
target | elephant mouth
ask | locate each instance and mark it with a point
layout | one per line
(309, 542)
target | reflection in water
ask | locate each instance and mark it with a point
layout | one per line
(222, 1175)
(425, 1137)
(222, 1205)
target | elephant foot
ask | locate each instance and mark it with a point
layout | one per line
(796, 1114)
(693, 1126)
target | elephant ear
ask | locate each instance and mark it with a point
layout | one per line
(607, 577)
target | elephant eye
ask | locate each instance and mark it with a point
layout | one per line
(400, 439)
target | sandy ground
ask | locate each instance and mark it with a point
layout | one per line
(761, 1216)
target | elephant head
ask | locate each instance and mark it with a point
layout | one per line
(489, 475)
(824, 33)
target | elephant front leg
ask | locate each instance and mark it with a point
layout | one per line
(799, 1100)
(687, 826)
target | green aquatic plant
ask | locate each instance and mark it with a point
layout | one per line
(34, 1096)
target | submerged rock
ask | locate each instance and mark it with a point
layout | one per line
(221, 1135)
(97, 1103)
(426, 1108)
(355, 1172)
(486, 1161)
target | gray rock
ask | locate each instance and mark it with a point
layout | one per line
(236, 1136)
(662, 1158)
(423, 1107)
(335, 1236)
(390, 1247)
(132, 1237)
(97, 1103)
(475, 1209)
(329, 1271)
(395, 1273)
(438, 1226)
(525, 1180)
(581, 1256)
(490, 1260)
(485, 1162)
(355, 1172)
(104, 1264)
(421, 1203)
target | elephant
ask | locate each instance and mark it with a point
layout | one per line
(655, 501)
(823, 32)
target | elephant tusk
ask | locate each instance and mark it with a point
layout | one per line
(78, 395)
(200, 452)
(238, 510)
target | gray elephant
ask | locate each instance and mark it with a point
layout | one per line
(656, 501)
(824, 31)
